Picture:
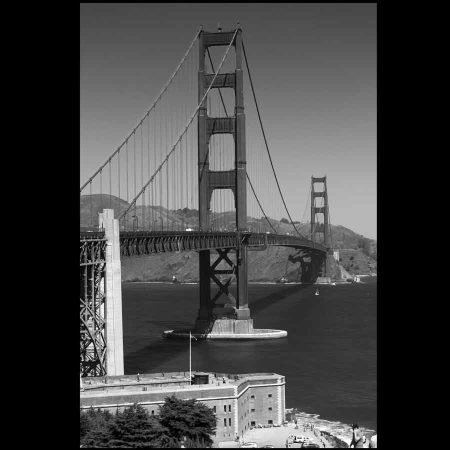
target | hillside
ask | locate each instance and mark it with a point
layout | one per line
(357, 253)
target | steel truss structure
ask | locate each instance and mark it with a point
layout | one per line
(136, 243)
(92, 306)
(213, 272)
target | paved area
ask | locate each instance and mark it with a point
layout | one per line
(277, 436)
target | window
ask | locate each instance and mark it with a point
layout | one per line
(229, 408)
(229, 421)
(252, 396)
(270, 395)
(270, 422)
(214, 408)
(253, 423)
(224, 422)
(270, 409)
(153, 412)
(224, 408)
(252, 410)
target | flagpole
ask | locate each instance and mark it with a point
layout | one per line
(190, 359)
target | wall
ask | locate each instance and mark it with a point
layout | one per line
(239, 402)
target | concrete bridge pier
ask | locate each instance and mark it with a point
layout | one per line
(113, 303)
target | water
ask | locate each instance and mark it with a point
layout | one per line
(328, 358)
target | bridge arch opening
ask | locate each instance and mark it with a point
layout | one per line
(216, 52)
(221, 102)
(222, 210)
(221, 152)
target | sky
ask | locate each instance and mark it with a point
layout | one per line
(314, 71)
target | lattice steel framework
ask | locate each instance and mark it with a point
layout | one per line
(92, 306)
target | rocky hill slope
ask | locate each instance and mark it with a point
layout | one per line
(357, 254)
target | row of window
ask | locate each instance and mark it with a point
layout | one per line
(225, 422)
(253, 423)
(268, 395)
(229, 410)
(224, 408)
(253, 409)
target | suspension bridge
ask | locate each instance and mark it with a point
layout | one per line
(178, 182)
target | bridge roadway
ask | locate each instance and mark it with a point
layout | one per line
(136, 243)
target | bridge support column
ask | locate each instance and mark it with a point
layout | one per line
(204, 312)
(319, 211)
(236, 180)
(113, 304)
(242, 309)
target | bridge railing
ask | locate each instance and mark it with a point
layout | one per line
(135, 243)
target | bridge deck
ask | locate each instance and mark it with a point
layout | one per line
(134, 243)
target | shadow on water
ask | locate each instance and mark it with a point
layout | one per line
(157, 353)
(273, 298)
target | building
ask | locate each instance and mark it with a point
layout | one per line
(239, 401)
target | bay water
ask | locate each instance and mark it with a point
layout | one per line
(328, 357)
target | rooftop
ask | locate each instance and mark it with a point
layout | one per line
(163, 381)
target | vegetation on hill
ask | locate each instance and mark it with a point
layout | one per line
(179, 421)
(268, 265)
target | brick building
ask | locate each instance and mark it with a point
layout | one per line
(239, 401)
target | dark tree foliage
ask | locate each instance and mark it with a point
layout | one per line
(84, 424)
(134, 427)
(284, 220)
(364, 245)
(180, 421)
(188, 419)
(95, 428)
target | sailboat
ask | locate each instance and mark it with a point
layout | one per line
(317, 292)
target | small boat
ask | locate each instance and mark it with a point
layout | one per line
(317, 292)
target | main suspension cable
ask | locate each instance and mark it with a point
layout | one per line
(265, 141)
(246, 173)
(164, 89)
(185, 128)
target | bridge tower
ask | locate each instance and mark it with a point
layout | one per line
(320, 227)
(210, 180)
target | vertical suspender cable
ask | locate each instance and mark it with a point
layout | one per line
(160, 177)
(164, 89)
(189, 122)
(154, 196)
(265, 140)
(226, 114)
(101, 193)
(110, 194)
(142, 176)
(134, 173)
(126, 222)
(90, 197)
(118, 177)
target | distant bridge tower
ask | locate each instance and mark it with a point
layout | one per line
(320, 226)
(231, 179)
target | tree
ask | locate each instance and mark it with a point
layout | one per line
(134, 427)
(84, 424)
(95, 428)
(284, 220)
(364, 245)
(188, 419)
